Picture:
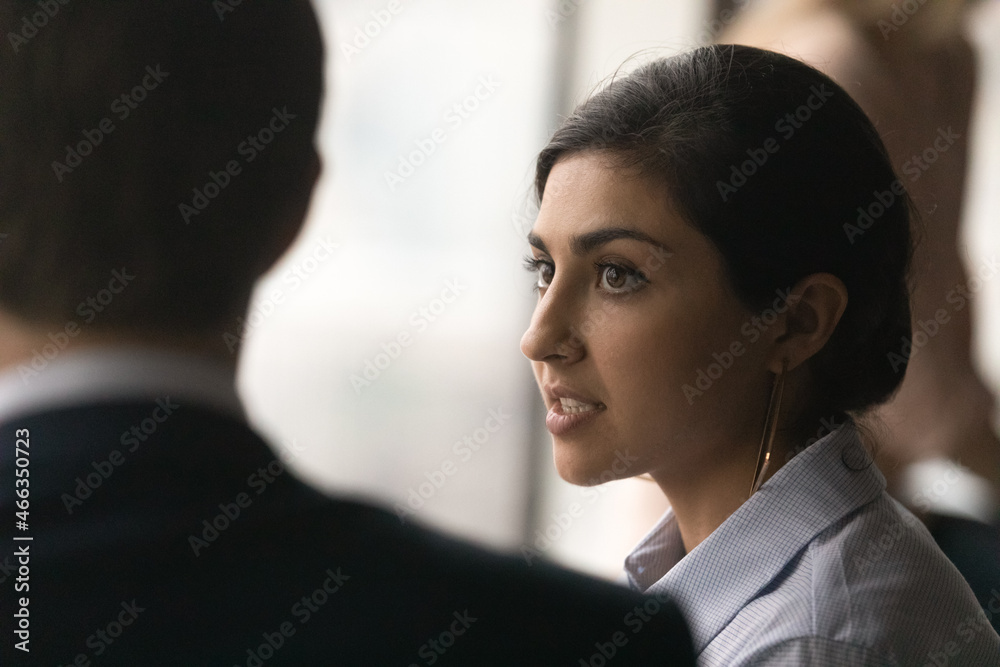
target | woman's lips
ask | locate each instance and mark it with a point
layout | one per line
(567, 414)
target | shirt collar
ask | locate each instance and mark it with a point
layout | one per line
(115, 374)
(816, 488)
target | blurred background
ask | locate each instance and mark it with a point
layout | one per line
(382, 354)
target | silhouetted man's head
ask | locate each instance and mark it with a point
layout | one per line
(169, 141)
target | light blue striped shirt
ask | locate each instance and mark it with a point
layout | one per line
(819, 567)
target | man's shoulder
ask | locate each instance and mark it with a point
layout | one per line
(201, 527)
(418, 580)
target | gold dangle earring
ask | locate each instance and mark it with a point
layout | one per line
(770, 427)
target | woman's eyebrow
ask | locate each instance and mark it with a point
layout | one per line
(585, 243)
(536, 241)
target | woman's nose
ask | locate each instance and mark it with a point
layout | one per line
(552, 335)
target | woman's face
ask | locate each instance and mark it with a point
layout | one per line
(633, 303)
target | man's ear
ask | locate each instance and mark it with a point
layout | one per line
(293, 214)
(815, 306)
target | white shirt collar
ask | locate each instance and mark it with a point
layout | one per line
(817, 487)
(115, 374)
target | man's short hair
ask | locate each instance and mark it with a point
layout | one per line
(162, 139)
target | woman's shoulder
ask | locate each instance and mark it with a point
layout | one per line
(876, 537)
(877, 579)
(871, 589)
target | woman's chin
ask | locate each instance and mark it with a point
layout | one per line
(581, 470)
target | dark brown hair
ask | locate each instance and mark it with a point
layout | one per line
(775, 164)
(198, 83)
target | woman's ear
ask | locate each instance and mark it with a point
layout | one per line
(815, 306)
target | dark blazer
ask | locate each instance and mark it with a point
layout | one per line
(180, 539)
(974, 548)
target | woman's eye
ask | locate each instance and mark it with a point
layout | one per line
(544, 269)
(545, 273)
(619, 279)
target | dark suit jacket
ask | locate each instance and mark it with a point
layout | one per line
(186, 542)
(974, 548)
